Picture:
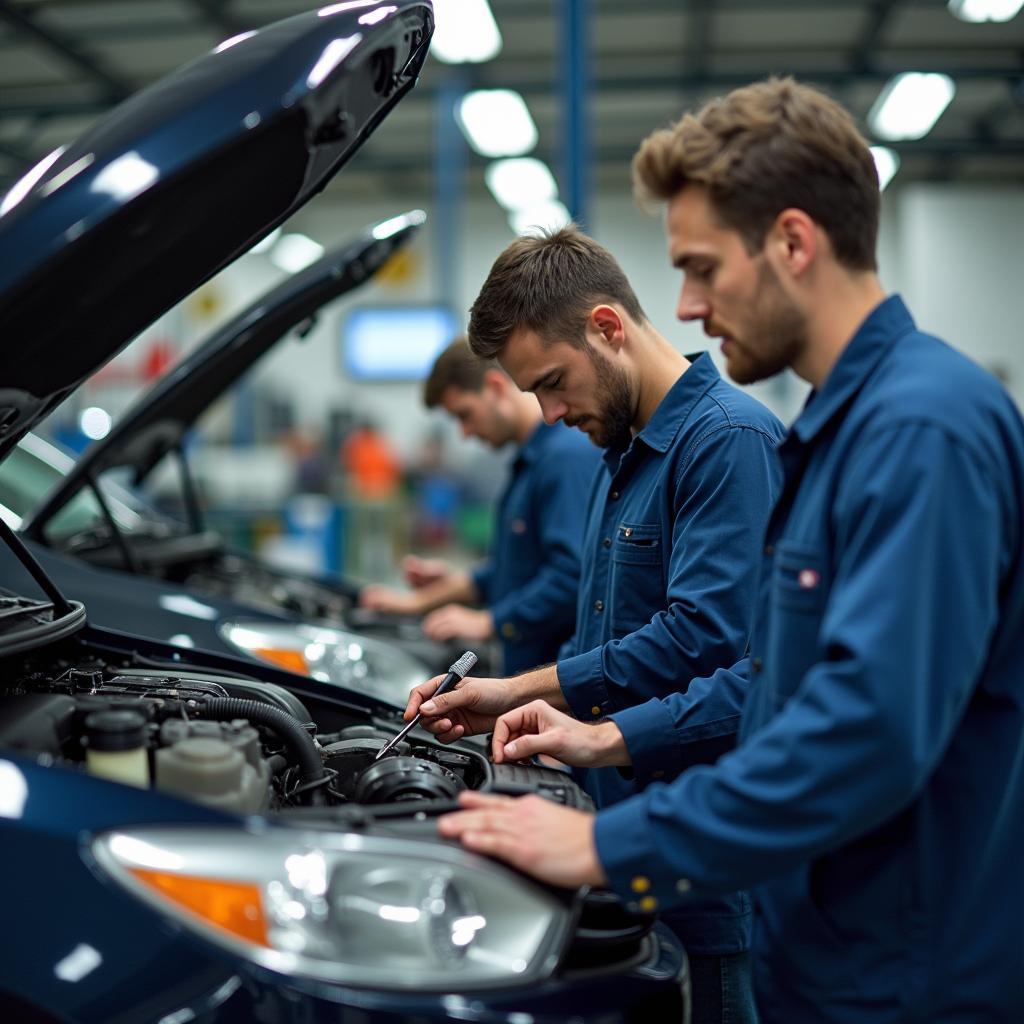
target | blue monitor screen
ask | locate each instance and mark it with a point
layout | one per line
(395, 342)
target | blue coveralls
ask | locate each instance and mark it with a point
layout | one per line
(674, 527)
(875, 802)
(529, 583)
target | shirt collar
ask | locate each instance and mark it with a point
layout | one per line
(661, 429)
(886, 323)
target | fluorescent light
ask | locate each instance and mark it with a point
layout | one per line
(465, 32)
(28, 181)
(887, 163)
(520, 182)
(985, 10)
(95, 422)
(497, 122)
(388, 227)
(910, 104)
(549, 216)
(296, 252)
(266, 243)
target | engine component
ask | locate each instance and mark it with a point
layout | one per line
(399, 779)
(212, 772)
(116, 747)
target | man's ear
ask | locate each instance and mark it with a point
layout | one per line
(606, 326)
(496, 383)
(793, 241)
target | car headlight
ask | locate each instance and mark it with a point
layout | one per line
(332, 656)
(369, 911)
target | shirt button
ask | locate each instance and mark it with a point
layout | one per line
(614, 495)
(599, 606)
(607, 542)
(648, 904)
(659, 774)
(627, 531)
(596, 709)
(769, 549)
(683, 885)
(756, 664)
(508, 630)
(640, 884)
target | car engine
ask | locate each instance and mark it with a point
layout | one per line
(239, 745)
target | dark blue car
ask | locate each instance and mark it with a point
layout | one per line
(191, 837)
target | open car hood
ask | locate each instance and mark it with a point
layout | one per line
(101, 238)
(159, 420)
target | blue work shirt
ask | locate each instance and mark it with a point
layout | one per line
(674, 527)
(876, 798)
(529, 584)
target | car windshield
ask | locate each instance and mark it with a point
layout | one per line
(34, 467)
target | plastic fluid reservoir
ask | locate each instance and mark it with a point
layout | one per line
(211, 772)
(116, 746)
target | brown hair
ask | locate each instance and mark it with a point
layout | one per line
(547, 283)
(455, 367)
(765, 148)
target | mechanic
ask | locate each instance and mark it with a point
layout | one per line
(673, 526)
(528, 588)
(874, 799)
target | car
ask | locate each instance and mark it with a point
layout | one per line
(188, 836)
(101, 541)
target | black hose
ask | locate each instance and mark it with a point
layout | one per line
(288, 729)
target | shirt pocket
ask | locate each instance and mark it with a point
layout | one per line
(798, 594)
(637, 588)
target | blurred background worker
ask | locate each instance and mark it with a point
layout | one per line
(528, 587)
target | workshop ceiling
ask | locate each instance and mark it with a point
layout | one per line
(63, 62)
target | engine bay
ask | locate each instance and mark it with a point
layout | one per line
(240, 745)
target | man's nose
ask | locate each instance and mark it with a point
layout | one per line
(552, 409)
(692, 306)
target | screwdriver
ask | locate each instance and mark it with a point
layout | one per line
(456, 674)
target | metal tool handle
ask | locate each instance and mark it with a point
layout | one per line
(456, 673)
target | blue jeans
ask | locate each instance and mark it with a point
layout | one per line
(721, 990)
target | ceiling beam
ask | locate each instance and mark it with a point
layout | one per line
(879, 15)
(66, 48)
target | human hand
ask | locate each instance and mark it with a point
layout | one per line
(472, 707)
(552, 843)
(538, 728)
(419, 572)
(455, 620)
(388, 599)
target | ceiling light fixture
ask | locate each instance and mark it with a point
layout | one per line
(985, 10)
(465, 32)
(531, 220)
(887, 163)
(496, 122)
(520, 182)
(910, 104)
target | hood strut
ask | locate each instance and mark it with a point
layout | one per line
(61, 605)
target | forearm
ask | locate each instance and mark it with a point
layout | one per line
(455, 588)
(538, 684)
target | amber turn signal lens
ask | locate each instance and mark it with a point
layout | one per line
(293, 661)
(236, 907)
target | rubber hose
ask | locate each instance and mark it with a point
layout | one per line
(288, 729)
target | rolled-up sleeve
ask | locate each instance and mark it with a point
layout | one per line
(919, 537)
(722, 497)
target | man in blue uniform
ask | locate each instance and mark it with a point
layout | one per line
(673, 527)
(528, 586)
(873, 802)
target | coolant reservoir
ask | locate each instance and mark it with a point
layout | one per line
(116, 747)
(212, 772)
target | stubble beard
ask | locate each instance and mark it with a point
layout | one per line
(614, 402)
(777, 337)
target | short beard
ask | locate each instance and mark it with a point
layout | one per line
(614, 402)
(778, 334)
